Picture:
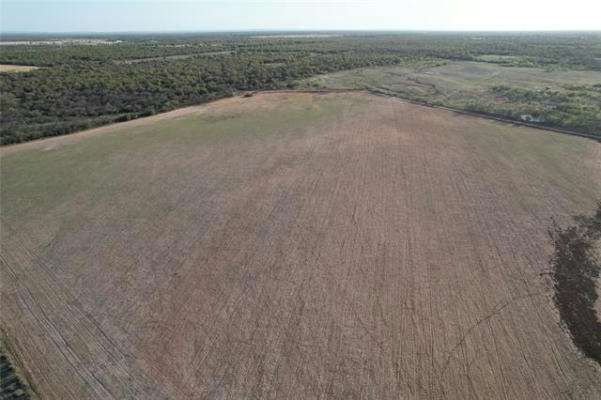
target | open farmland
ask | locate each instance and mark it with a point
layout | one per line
(343, 246)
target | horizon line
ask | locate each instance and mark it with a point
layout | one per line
(275, 30)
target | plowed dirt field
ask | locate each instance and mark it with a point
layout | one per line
(294, 246)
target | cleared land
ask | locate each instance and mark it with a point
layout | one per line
(294, 246)
(453, 80)
(16, 68)
(560, 98)
(176, 57)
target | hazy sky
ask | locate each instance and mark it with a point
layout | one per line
(210, 15)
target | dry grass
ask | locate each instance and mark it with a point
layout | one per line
(565, 99)
(294, 246)
(451, 80)
(16, 68)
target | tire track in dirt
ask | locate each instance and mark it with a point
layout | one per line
(387, 251)
(41, 299)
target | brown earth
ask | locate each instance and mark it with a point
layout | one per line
(598, 302)
(384, 251)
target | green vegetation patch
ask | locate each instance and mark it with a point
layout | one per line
(14, 385)
(576, 271)
(570, 106)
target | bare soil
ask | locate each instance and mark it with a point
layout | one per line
(16, 68)
(174, 57)
(342, 246)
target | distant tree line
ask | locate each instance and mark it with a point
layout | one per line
(82, 86)
(70, 97)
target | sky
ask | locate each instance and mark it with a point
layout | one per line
(240, 15)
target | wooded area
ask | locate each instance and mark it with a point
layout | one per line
(82, 86)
